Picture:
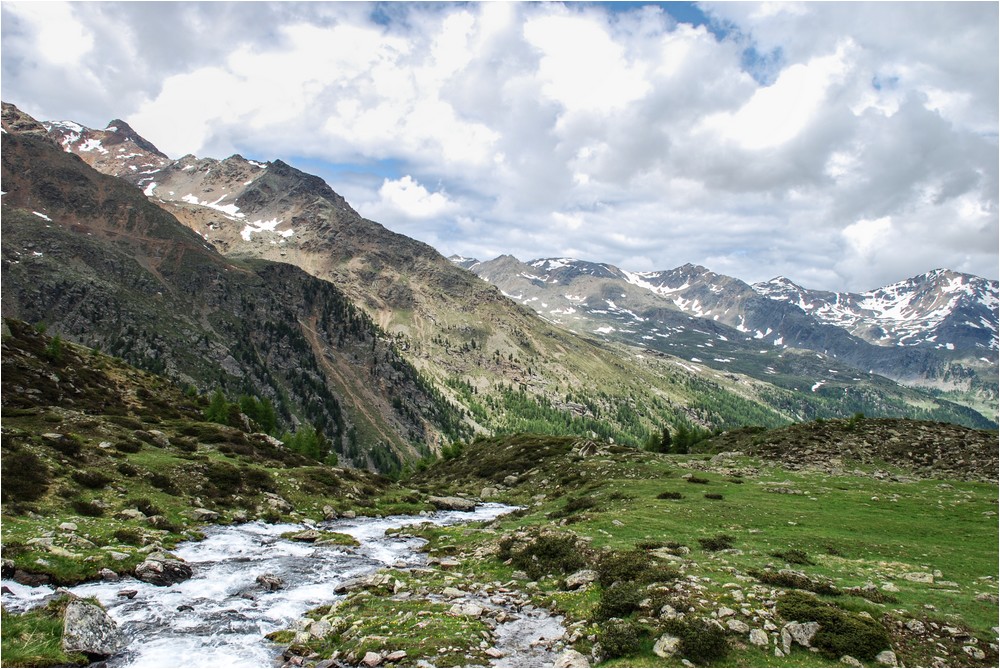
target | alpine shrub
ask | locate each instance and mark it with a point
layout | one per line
(701, 642)
(840, 632)
(719, 542)
(619, 638)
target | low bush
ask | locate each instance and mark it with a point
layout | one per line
(125, 469)
(719, 542)
(146, 506)
(793, 556)
(576, 505)
(619, 600)
(128, 535)
(545, 554)
(85, 508)
(25, 477)
(164, 483)
(634, 566)
(670, 494)
(129, 446)
(701, 642)
(698, 479)
(619, 638)
(840, 632)
(712, 495)
(91, 479)
(796, 580)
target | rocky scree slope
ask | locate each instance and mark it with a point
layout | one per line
(91, 257)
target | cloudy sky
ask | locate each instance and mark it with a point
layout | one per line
(844, 145)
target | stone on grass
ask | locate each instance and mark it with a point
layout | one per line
(371, 659)
(737, 626)
(580, 578)
(571, 658)
(850, 661)
(667, 645)
(919, 577)
(395, 656)
(88, 629)
(453, 593)
(204, 515)
(759, 638)
(886, 658)
(470, 609)
(801, 633)
(974, 652)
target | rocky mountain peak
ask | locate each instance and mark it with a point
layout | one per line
(17, 122)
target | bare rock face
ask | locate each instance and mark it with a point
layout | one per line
(88, 629)
(159, 569)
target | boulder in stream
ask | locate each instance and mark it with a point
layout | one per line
(452, 503)
(88, 629)
(160, 569)
(270, 582)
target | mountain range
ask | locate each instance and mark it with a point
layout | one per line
(937, 330)
(255, 277)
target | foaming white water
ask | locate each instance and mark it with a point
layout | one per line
(224, 614)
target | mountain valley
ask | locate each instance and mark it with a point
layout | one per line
(212, 363)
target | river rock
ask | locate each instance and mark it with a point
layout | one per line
(270, 582)
(470, 609)
(128, 594)
(667, 645)
(580, 578)
(349, 515)
(571, 658)
(886, 658)
(452, 503)
(453, 593)
(159, 569)
(108, 575)
(329, 513)
(204, 515)
(88, 629)
(308, 536)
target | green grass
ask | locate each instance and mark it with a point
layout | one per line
(34, 639)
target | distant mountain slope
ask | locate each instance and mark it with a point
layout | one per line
(940, 309)
(509, 369)
(90, 256)
(673, 311)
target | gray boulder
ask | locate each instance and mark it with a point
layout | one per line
(667, 645)
(580, 578)
(452, 503)
(160, 569)
(270, 582)
(88, 629)
(571, 658)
